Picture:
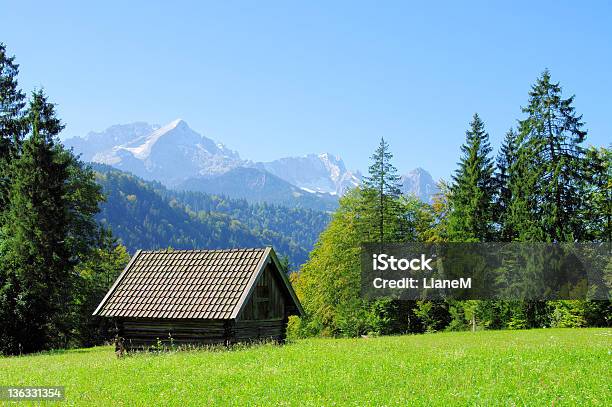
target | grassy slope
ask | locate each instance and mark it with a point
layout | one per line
(538, 367)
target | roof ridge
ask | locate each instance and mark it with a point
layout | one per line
(205, 250)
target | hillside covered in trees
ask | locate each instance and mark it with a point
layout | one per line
(146, 215)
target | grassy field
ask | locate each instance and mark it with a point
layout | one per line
(538, 367)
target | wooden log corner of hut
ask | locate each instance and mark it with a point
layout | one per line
(184, 298)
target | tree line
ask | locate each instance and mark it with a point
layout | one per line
(56, 261)
(544, 185)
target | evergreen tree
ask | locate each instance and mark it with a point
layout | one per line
(381, 193)
(548, 183)
(36, 229)
(12, 103)
(506, 158)
(471, 197)
(598, 213)
(548, 177)
(470, 214)
(49, 228)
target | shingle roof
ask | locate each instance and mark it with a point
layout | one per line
(210, 284)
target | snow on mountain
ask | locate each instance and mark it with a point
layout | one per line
(258, 185)
(322, 173)
(169, 154)
(179, 157)
(145, 144)
(96, 142)
(419, 183)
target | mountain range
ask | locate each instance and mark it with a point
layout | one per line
(182, 159)
(315, 173)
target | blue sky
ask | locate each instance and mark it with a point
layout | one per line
(273, 79)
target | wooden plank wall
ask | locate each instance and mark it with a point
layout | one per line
(144, 333)
(267, 300)
(264, 316)
(274, 329)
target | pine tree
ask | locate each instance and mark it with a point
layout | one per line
(548, 176)
(471, 195)
(381, 193)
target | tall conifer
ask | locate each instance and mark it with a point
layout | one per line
(506, 158)
(548, 178)
(12, 103)
(381, 193)
(36, 230)
(471, 195)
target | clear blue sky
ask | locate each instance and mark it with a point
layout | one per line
(273, 79)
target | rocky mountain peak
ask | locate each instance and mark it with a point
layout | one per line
(174, 154)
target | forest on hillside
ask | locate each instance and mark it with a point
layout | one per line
(146, 215)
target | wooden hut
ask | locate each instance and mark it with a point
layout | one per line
(196, 297)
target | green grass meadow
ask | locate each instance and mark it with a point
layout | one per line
(545, 367)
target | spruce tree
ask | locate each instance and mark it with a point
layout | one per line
(548, 180)
(470, 206)
(381, 193)
(598, 213)
(471, 195)
(36, 230)
(49, 229)
(12, 103)
(548, 177)
(506, 158)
